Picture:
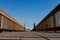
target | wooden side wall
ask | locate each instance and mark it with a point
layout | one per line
(48, 23)
(0, 21)
(5, 23)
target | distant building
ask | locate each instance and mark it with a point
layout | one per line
(51, 22)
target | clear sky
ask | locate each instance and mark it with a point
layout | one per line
(28, 11)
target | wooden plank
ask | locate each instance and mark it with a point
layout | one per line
(0, 21)
(11, 25)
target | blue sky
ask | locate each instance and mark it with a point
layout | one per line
(28, 11)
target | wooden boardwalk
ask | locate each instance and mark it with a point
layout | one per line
(29, 36)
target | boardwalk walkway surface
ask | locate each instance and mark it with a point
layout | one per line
(29, 36)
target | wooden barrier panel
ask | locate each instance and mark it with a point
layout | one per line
(6, 23)
(0, 21)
